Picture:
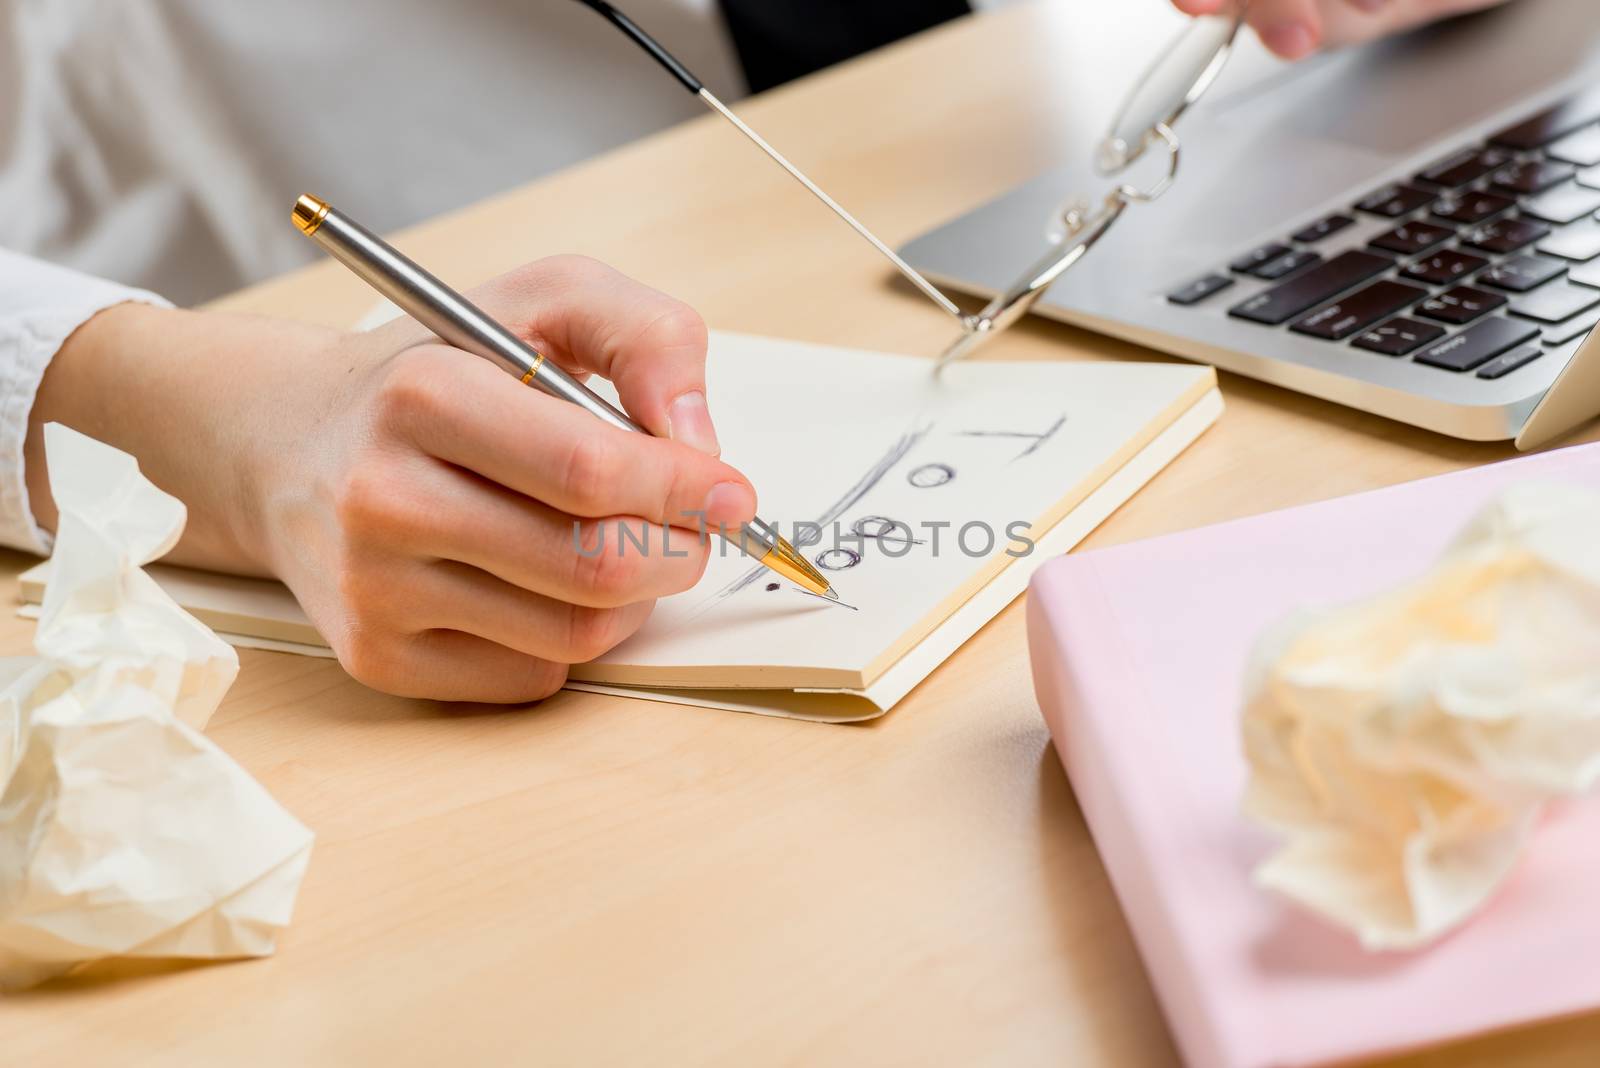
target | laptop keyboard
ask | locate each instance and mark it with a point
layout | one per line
(1493, 258)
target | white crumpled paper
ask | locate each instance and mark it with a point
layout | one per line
(1406, 744)
(123, 830)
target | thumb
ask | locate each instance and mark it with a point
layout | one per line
(588, 317)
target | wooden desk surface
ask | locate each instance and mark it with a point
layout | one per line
(599, 880)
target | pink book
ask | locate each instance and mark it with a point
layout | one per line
(1138, 657)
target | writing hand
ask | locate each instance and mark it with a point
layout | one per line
(419, 501)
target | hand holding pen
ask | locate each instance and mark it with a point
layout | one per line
(418, 502)
(463, 324)
(436, 527)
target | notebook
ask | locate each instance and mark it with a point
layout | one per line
(934, 499)
(1138, 655)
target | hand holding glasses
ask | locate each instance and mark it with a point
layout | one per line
(1172, 84)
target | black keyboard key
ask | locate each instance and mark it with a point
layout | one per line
(1398, 337)
(1309, 288)
(1574, 327)
(1396, 200)
(1581, 148)
(1284, 266)
(1460, 305)
(1465, 166)
(1361, 309)
(1323, 228)
(1533, 176)
(1522, 273)
(1469, 209)
(1501, 366)
(1442, 268)
(1580, 242)
(1563, 204)
(1258, 257)
(1410, 238)
(1200, 289)
(1477, 345)
(1538, 131)
(1505, 235)
(1555, 303)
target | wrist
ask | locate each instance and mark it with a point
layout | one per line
(201, 400)
(69, 394)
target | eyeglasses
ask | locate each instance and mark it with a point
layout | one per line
(1171, 85)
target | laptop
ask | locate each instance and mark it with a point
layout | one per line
(1411, 228)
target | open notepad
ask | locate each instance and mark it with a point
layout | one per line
(928, 491)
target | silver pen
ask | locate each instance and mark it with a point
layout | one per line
(461, 323)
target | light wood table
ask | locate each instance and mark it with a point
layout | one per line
(598, 880)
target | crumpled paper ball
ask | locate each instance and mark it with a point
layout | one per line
(123, 830)
(1406, 744)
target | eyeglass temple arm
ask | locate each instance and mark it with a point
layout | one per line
(709, 99)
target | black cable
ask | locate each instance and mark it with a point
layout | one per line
(646, 42)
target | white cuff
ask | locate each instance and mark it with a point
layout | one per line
(40, 306)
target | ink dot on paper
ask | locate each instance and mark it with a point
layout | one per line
(771, 586)
(930, 475)
(838, 559)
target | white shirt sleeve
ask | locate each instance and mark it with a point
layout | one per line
(40, 306)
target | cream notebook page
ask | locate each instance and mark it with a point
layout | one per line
(920, 483)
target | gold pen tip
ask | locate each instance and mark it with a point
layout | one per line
(308, 213)
(787, 561)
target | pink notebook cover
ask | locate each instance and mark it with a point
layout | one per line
(1138, 653)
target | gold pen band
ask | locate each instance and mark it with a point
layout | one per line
(533, 371)
(309, 213)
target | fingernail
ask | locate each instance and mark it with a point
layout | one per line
(691, 423)
(1371, 6)
(729, 504)
(1291, 40)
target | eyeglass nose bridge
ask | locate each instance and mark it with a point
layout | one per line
(1165, 134)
